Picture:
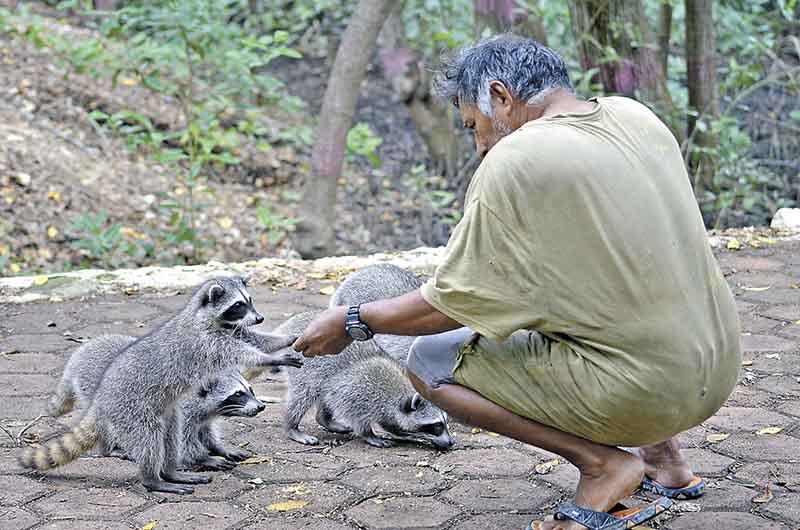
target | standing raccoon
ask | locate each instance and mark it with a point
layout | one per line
(135, 407)
(376, 282)
(201, 442)
(361, 391)
(228, 394)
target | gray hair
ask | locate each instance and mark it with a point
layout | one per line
(528, 69)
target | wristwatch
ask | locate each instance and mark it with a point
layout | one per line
(354, 327)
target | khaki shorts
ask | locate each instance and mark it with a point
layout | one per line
(549, 382)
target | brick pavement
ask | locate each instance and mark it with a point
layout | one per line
(486, 483)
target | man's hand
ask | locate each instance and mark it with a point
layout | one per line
(325, 335)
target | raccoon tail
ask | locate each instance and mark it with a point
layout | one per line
(62, 400)
(64, 449)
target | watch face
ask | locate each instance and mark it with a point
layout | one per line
(357, 333)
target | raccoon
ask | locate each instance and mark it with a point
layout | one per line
(136, 405)
(201, 446)
(361, 391)
(376, 282)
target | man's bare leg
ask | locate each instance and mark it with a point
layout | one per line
(665, 464)
(608, 474)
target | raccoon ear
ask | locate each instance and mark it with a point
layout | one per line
(413, 403)
(214, 293)
(246, 277)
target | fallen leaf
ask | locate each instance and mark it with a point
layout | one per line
(734, 244)
(423, 463)
(15, 268)
(776, 356)
(755, 244)
(316, 275)
(127, 81)
(418, 474)
(546, 467)
(747, 363)
(287, 506)
(327, 290)
(299, 489)
(475, 430)
(714, 438)
(225, 222)
(3, 250)
(253, 460)
(764, 497)
(52, 232)
(494, 434)
(257, 481)
(756, 289)
(769, 430)
(150, 525)
(55, 299)
(794, 286)
(40, 280)
(54, 195)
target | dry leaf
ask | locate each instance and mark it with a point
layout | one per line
(299, 489)
(127, 81)
(546, 467)
(225, 222)
(475, 430)
(15, 268)
(747, 363)
(494, 434)
(734, 244)
(714, 438)
(40, 280)
(54, 195)
(287, 506)
(769, 430)
(257, 481)
(150, 525)
(794, 286)
(756, 289)
(316, 275)
(253, 460)
(52, 232)
(55, 299)
(764, 497)
(327, 290)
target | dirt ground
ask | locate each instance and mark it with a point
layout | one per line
(57, 165)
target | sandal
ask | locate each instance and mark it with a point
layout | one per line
(620, 520)
(693, 490)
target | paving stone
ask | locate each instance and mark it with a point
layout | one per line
(469, 437)
(35, 319)
(748, 396)
(724, 495)
(766, 343)
(321, 497)
(495, 462)
(30, 363)
(749, 419)
(190, 516)
(385, 480)
(755, 263)
(500, 495)
(16, 490)
(305, 523)
(769, 447)
(790, 407)
(309, 467)
(123, 311)
(37, 429)
(694, 437)
(16, 519)
(96, 329)
(103, 503)
(402, 512)
(365, 455)
(26, 384)
(31, 343)
(777, 473)
(84, 525)
(95, 471)
(789, 331)
(778, 295)
(785, 507)
(757, 324)
(564, 476)
(222, 486)
(707, 464)
(787, 313)
(8, 460)
(787, 386)
(723, 520)
(495, 522)
(775, 363)
(743, 307)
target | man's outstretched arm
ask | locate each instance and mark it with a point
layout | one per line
(409, 314)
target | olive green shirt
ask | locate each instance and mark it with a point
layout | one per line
(584, 227)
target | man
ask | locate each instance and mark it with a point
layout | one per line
(596, 316)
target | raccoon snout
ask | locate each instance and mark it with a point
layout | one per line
(260, 408)
(259, 319)
(444, 443)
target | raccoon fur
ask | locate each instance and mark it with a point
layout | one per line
(136, 405)
(376, 282)
(361, 391)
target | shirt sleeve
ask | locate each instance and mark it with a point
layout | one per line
(487, 280)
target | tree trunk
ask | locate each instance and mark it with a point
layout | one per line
(664, 32)
(508, 15)
(634, 68)
(702, 84)
(105, 5)
(314, 236)
(406, 71)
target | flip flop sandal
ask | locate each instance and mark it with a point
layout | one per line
(621, 520)
(693, 490)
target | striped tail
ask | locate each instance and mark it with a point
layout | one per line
(64, 449)
(62, 401)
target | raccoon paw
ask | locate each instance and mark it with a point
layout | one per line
(214, 463)
(167, 487)
(187, 478)
(302, 438)
(237, 455)
(378, 442)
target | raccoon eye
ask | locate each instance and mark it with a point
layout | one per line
(435, 429)
(238, 394)
(238, 304)
(202, 393)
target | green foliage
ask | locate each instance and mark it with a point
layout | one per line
(275, 225)
(362, 140)
(103, 242)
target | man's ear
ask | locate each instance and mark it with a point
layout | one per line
(499, 94)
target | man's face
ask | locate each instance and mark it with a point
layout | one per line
(487, 131)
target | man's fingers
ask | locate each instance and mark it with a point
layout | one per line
(299, 344)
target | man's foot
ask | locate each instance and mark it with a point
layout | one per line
(665, 464)
(601, 487)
